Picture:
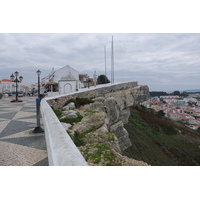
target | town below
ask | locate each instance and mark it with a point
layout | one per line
(184, 108)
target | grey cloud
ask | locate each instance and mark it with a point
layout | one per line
(160, 60)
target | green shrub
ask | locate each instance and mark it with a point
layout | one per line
(80, 101)
(99, 152)
(1, 95)
(169, 130)
(91, 111)
(160, 113)
(67, 119)
(72, 120)
(58, 113)
(111, 137)
(78, 139)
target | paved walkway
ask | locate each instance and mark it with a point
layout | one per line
(18, 145)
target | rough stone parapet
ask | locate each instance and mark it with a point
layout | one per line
(112, 102)
(130, 96)
(59, 101)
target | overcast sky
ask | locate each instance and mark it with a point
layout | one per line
(161, 61)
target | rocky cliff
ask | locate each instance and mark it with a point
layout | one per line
(133, 90)
(103, 121)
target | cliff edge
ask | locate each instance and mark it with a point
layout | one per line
(99, 133)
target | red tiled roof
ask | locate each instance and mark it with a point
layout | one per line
(189, 109)
(5, 80)
(150, 102)
(183, 119)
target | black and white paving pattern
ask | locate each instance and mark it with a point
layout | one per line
(18, 145)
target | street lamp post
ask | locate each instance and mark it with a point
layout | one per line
(88, 82)
(38, 129)
(38, 73)
(16, 80)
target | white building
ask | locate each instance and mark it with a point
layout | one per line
(68, 84)
(170, 97)
(9, 87)
(61, 81)
(25, 87)
(6, 86)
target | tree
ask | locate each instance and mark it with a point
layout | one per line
(176, 92)
(157, 93)
(160, 113)
(184, 94)
(102, 79)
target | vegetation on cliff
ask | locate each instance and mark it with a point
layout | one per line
(160, 141)
(80, 101)
(88, 130)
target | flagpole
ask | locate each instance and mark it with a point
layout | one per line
(111, 65)
(105, 61)
(112, 62)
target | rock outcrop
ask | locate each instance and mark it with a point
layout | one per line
(102, 128)
(100, 135)
(126, 94)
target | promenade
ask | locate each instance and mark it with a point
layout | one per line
(18, 145)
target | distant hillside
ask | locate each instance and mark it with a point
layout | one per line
(163, 93)
(192, 91)
(159, 141)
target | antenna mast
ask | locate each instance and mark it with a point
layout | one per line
(112, 62)
(105, 58)
(105, 61)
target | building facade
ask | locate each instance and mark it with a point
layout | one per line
(6, 86)
(9, 87)
(61, 81)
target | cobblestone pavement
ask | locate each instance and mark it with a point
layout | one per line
(18, 145)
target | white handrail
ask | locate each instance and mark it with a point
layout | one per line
(61, 149)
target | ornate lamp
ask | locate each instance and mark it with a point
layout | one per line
(38, 73)
(12, 77)
(16, 80)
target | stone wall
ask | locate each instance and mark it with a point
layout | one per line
(117, 100)
(59, 101)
